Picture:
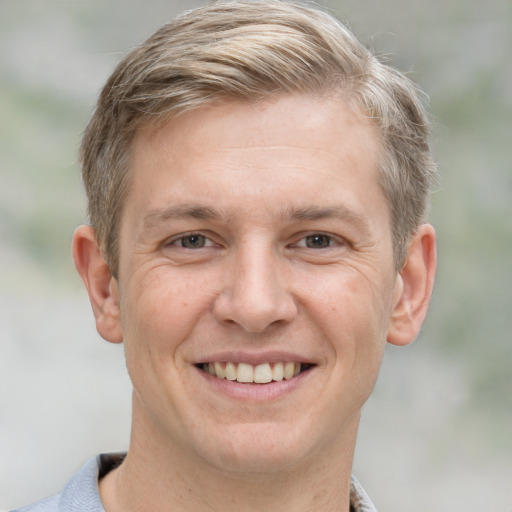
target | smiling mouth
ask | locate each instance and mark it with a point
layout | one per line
(254, 374)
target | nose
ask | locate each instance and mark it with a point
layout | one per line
(255, 295)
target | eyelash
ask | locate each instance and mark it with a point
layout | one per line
(205, 241)
(322, 237)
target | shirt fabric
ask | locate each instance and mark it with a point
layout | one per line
(81, 493)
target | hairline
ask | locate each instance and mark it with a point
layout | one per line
(327, 61)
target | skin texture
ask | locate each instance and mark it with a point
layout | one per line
(252, 233)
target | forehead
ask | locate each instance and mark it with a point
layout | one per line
(276, 151)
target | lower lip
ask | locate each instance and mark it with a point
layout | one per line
(255, 392)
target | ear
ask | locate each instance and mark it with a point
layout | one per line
(101, 285)
(414, 287)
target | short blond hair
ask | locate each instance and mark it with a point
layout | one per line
(249, 51)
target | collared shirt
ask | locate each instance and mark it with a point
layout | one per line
(81, 492)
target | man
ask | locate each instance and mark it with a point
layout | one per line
(258, 186)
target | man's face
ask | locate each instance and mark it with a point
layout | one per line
(255, 242)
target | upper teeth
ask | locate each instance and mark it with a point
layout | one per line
(248, 373)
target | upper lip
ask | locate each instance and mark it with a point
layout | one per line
(254, 358)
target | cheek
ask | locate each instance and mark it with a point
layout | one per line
(162, 311)
(350, 298)
(352, 311)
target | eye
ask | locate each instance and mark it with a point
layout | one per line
(317, 241)
(192, 241)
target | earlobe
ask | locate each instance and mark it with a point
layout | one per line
(99, 282)
(415, 284)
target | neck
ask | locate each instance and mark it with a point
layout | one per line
(158, 477)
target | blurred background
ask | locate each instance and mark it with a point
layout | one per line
(436, 435)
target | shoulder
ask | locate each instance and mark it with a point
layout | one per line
(359, 500)
(81, 492)
(47, 505)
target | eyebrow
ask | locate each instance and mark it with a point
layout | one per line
(182, 211)
(318, 213)
(196, 211)
(340, 212)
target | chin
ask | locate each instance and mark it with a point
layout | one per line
(259, 449)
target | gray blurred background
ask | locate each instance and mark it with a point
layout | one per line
(437, 433)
